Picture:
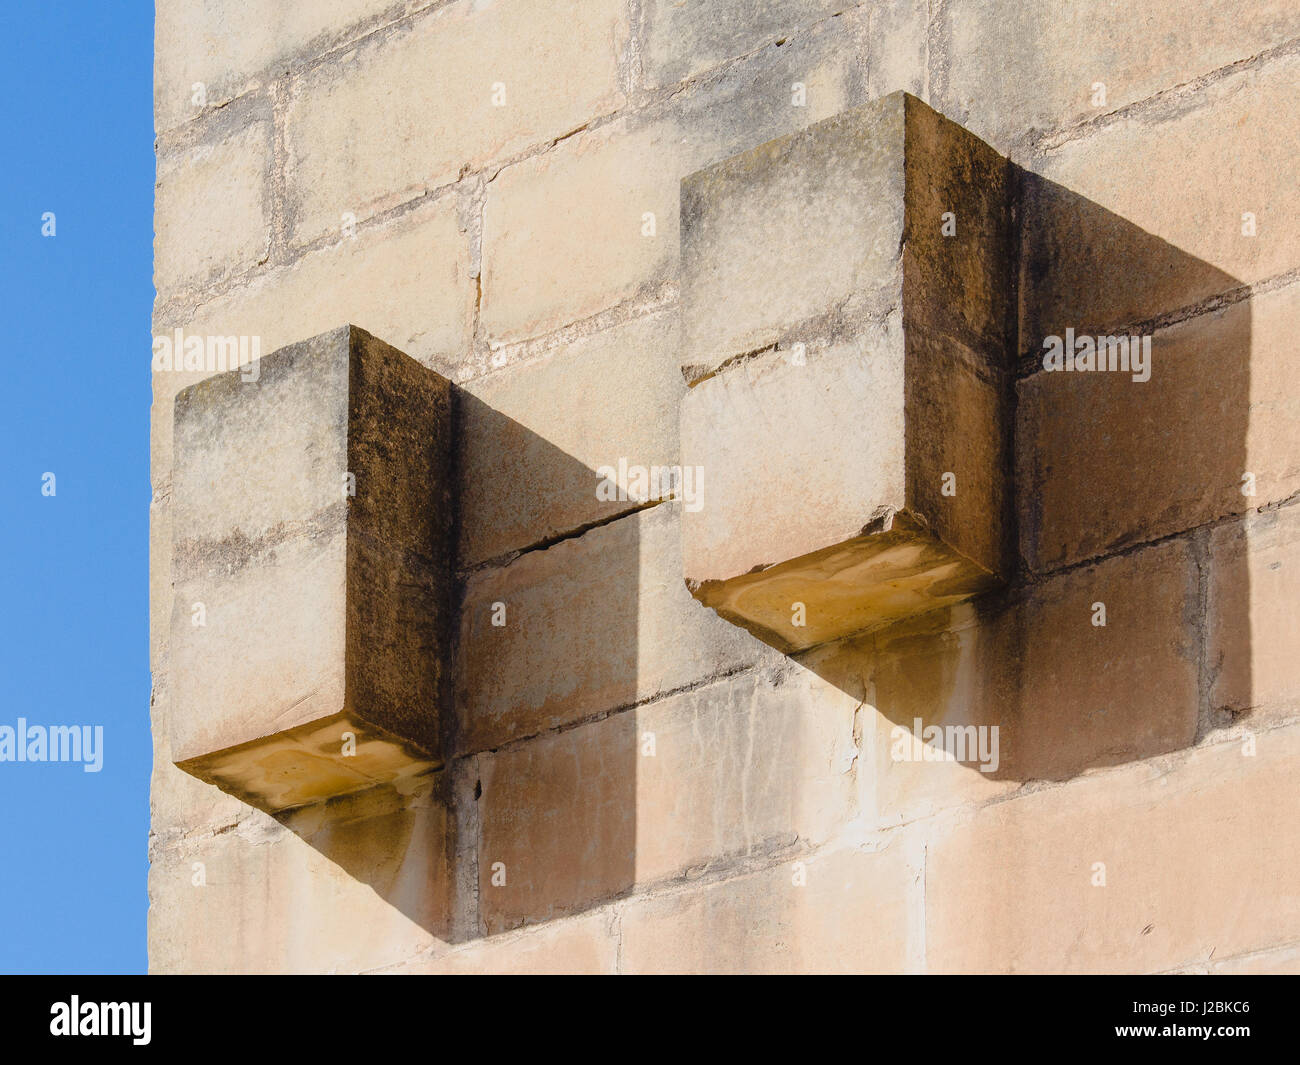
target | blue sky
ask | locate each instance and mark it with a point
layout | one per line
(76, 89)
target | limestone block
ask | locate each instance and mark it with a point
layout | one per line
(311, 576)
(847, 319)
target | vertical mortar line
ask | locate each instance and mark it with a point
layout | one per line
(868, 50)
(916, 849)
(936, 58)
(616, 928)
(1205, 712)
(925, 872)
(276, 186)
(467, 919)
(868, 796)
(929, 49)
(633, 69)
(1011, 385)
(475, 191)
(862, 34)
(462, 813)
(472, 189)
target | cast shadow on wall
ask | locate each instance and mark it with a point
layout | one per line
(1095, 654)
(539, 787)
(533, 813)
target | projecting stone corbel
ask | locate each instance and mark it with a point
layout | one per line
(311, 546)
(847, 332)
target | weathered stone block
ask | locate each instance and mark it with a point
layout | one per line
(683, 40)
(749, 765)
(1254, 586)
(530, 442)
(408, 111)
(616, 588)
(846, 329)
(311, 541)
(1100, 253)
(1017, 69)
(840, 911)
(565, 232)
(1142, 869)
(212, 213)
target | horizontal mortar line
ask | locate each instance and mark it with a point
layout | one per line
(1281, 504)
(1029, 362)
(725, 867)
(488, 171)
(643, 104)
(1166, 99)
(273, 265)
(721, 69)
(1248, 955)
(216, 122)
(761, 856)
(674, 885)
(866, 840)
(730, 868)
(697, 685)
(653, 298)
(172, 840)
(504, 559)
(732, 361)
(1025, 581)
(492, 168)
(162, 844)
(331, 239)
(1030, 580)
(1175, 760)
(274, 71)
(650, 300)
(1023, 584)
(831, 327)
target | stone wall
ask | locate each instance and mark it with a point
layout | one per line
(629, 782)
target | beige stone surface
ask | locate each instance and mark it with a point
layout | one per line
(1105, 461)
(1145, 216)
(409, 279)
(407, 111)
(739, 768)
(581, 946)
(1254, 587)
(849, 916)
(212, 210)
(378, 859)
(531, 439)
(562, 230)
(407, 282)
(1013, 68)
(898, 48)
(179, 803)
(234, 49)
(616, 589)
(765, 260)
(1055, 695)
(1282, 962)
(503, 248)
(683, 40)
(763, 257)
(1197, 855)
(796, 456)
